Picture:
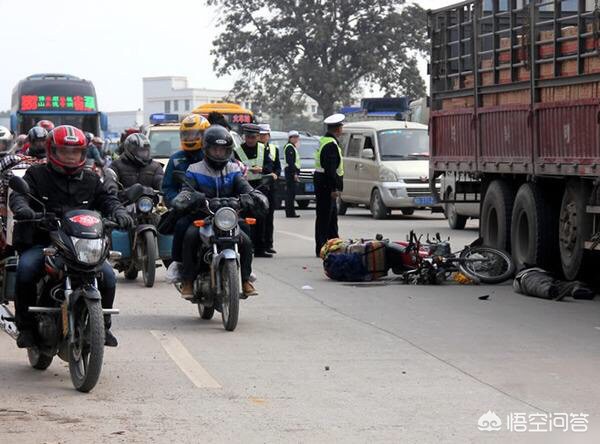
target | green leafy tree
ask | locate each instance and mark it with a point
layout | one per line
(324, 48)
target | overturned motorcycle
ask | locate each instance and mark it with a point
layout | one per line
(69, 313)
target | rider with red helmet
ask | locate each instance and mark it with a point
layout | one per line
(46, 124)
(63, 185)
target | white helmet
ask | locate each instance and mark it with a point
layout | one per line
(5, 139)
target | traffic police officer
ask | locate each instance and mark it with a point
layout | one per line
(292, 172)
(329, 181)
(264, 137)
(255, 157)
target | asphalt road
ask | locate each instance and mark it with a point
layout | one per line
(319, 361)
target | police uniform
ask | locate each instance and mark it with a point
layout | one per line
(329, 178)
(273, 151)
(251, 157)
(292, 169)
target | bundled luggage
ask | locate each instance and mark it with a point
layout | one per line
(354, 260)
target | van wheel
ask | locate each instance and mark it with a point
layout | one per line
(496, 212)
(455, 220)
(378, 208)
(303, 204)
(408, 211)
(534, 228)
(342, 207)
(575, 227)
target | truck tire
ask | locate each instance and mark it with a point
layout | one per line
(575, 227)
(455, 220)
(496, 213)
(534, 228)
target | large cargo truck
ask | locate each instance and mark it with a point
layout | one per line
(514, 126)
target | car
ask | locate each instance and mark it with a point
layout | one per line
(305, 189)
(386, 167)
(164, 141)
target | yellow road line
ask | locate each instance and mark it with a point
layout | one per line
(185, 361)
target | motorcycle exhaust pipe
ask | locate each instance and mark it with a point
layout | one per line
(7, 322)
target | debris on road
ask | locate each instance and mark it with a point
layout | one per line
(484, 298)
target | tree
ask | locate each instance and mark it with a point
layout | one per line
(324, 48)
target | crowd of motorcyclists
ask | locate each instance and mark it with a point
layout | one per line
(67, 170)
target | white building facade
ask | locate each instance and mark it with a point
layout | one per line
(172, 94)
(119, 120)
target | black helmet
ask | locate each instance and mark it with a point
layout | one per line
(215, 137)
(137, 149)
(37, 142)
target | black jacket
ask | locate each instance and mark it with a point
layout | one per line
(330, 160)
(129, 173)
(61, 193)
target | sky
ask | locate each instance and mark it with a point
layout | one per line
(114, 44)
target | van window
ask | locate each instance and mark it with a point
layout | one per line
(354, 146)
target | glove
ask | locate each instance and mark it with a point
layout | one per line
(246, 202)
(25, 213)
(123, 219)
(185, 200)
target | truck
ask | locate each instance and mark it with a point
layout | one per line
(515, 125)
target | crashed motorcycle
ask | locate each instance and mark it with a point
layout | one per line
(432, 262)
(138, 246)
(68, 312)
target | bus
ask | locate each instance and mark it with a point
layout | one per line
(61, 98)
(235, 114)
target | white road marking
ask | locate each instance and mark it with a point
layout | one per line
(299, 236)
(185, 361)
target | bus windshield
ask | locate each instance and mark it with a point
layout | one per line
(85, 122)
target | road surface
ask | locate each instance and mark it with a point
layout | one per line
(319, 361)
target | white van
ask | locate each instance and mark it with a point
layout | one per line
(386, 167)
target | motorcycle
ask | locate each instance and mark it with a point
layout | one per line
(69, 314)
(218, 284)
(432, 261)
(139, 246)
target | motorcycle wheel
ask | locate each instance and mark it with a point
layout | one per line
(37, 360)
(148, 255)
(205, 312)
(87, 353)
(230, 282)
(487, 265)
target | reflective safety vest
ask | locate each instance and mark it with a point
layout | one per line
(259, 160)
(324, 141)
(272, 151)
(296, 154)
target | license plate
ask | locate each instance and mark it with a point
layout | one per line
(424, 201)
(309, 187)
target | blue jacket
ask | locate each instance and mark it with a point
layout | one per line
(180, 161)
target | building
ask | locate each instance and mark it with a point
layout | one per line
(171, 94)
(119, 120)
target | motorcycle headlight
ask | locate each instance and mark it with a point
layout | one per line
(226, 219)
(145, 205)
(387, 175)
(88, 251)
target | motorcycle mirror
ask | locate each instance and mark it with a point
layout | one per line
(19, 185)
(134, 191)
(182, 179)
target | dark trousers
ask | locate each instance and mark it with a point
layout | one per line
(269, 219)
(178, 237)
(290, 196)
(259, 229)
(326, 224)
(191, 245)
(31, 269)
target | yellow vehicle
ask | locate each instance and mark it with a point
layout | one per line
(235, 114)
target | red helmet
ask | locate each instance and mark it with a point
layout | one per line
(66, 149)
(46, 124)
(128, 132)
